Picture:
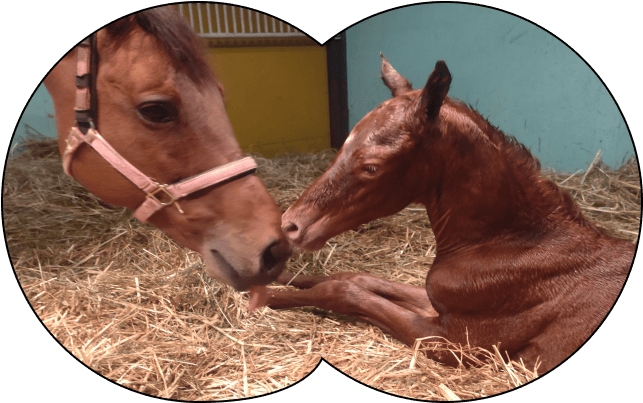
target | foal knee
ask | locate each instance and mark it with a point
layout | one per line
(340, 292)
(360, 279)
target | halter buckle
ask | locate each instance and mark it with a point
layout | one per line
(163, 188)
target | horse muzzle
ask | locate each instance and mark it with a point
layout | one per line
(240, 271)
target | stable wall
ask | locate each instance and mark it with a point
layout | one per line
(276, 97)
(522, 78)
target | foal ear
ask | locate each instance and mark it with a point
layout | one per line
(435, 90)
(393, 80)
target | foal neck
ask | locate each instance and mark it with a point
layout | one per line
(485, 186)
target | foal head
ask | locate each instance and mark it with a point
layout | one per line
(160, 107)
(376, 173)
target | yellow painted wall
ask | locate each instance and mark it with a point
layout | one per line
(276, 97)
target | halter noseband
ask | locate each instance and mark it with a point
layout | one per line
(157, 195)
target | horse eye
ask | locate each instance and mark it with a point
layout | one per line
(371, 169)
(157, 112)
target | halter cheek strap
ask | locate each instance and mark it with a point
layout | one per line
(157, 195)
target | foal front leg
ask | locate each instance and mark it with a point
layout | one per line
(410, 297)
(348, 298)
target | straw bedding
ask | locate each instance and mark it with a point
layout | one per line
(138, 309)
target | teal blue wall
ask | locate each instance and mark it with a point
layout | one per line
(38, 117)
(523, 79)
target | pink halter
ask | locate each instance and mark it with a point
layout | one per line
(152, 189)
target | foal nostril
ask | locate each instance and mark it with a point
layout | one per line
(290, 229)
(274, 258)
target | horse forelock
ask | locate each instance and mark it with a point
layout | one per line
(175, 35)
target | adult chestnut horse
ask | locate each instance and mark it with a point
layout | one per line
(166, 147)
(517, 264)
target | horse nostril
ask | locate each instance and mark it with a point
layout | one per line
(274, 257)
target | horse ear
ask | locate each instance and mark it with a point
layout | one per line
(393, 80)
(435, 90)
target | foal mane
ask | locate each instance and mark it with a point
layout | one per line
(515, 151)
(178, 39)
(546, 196)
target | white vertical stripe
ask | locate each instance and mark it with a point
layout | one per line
(234, 19)
(243, 24)
(258, 21)
(198, 10)
(191, 14)
(225, 17)
(209, 17)
(216, 14)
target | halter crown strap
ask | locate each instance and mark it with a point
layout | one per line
(157, 195)
(84, 80)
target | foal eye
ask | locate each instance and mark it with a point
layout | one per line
(157, 112)
(371, 169)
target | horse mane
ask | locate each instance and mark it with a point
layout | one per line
(174, 34)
